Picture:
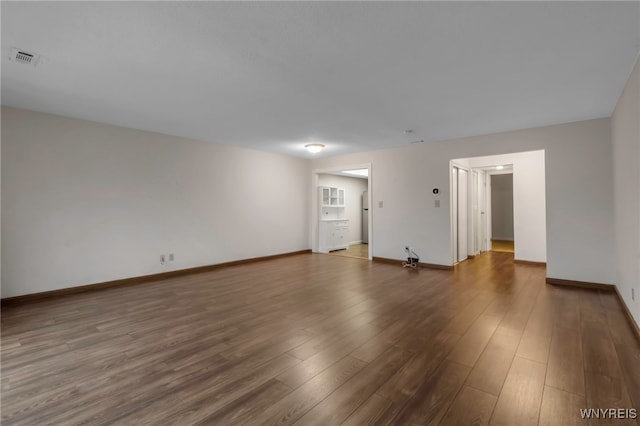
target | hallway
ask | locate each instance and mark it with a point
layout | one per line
(502, 245)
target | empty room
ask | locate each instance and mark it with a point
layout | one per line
(329, 213)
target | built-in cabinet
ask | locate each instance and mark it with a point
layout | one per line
(334, 235)
(333, 228)
(333, 197)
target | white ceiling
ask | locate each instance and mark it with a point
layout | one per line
(349, 175)
(506, 168)
(354, 75)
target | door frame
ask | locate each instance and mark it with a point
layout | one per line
(453, 211)
(314, 226)
(489, 194)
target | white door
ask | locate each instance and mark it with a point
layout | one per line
(454, 210)
(462, 215)
(482, 210)
(487, 209)
(475, 211)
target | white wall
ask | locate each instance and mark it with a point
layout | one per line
(84, 202)
(625, 129)
(353, 189)
(502, 207)
(529, 203)
(578, 176)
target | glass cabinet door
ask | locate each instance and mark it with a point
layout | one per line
(341, 197)
(325, 196)
(334, 196)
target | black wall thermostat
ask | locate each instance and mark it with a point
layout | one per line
(435, 191)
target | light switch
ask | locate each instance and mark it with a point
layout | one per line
(437, 203)
(380, 204)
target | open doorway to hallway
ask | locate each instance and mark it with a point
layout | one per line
(498, 203)
(502, 237)
(342, 219)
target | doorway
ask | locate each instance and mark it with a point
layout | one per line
(505, 206)
(341, 225)
(502, 237)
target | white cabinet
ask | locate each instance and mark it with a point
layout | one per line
(333, 229)
(334, 235)
(331, 197)
(331, 203)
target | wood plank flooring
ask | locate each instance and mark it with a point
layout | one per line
(502, 245)
(325, 340)
(355, 250)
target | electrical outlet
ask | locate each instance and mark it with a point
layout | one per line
(171, 257)
(380, 204)
(163, 259)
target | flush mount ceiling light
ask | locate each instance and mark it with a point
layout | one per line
(314, 148)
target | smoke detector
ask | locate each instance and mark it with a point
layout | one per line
(23, 57)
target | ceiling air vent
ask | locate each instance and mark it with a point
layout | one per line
(24, 57)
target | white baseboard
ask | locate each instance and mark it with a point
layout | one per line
(355, 242)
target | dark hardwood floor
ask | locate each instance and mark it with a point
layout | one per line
(326, 340)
